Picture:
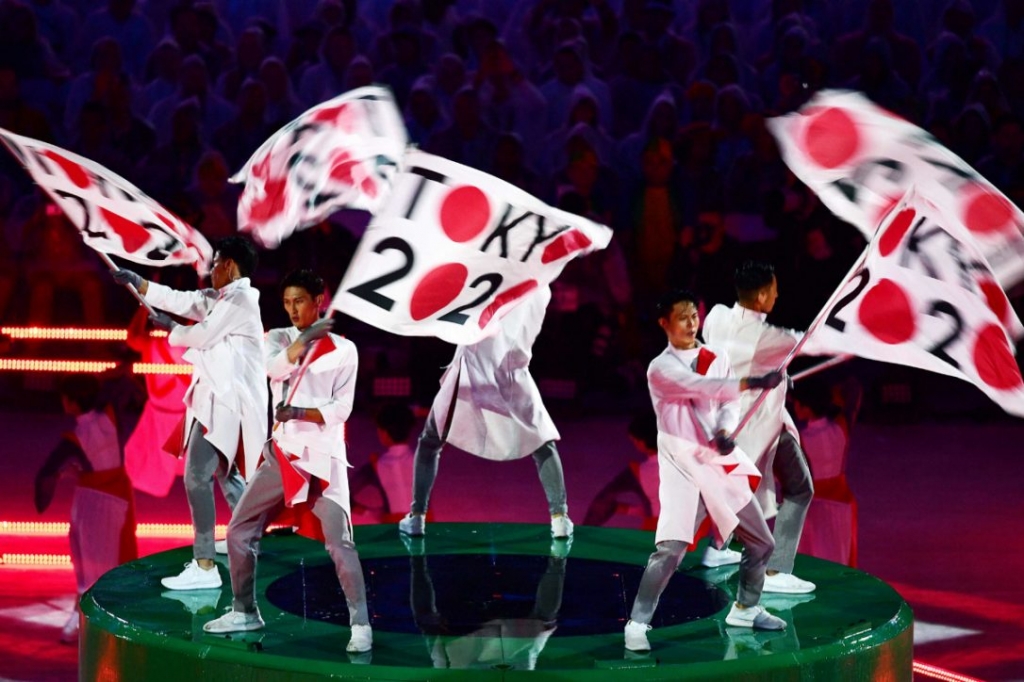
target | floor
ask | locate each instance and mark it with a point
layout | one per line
(940, 517)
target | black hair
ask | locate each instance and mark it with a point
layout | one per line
(751, 277)
(396, 420)
(644, 427)
(305, 279)
(668, 301)
(81, 389)
(240, 250)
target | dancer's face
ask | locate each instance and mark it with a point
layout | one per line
(303, 309)
(681, 325)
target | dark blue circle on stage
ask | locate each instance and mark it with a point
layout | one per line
(457, 594)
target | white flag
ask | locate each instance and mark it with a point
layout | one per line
(860, 160)
(923, 296)
(342, 153)
(454, 249)
(113, 215)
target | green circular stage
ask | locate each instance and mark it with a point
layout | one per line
(489, 602)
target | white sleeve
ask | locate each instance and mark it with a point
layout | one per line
(192, 305)
(774, 344)
(224, 318)
(275, 357)
(674, 381)
(339, 408)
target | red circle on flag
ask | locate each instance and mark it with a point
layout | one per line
(831, 138)
(994, 361)
(438, 288)
(985, 211)
(996, 299)
(465, 213)
(893, 234)
(886, 312)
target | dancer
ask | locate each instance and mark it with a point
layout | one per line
(304, 465)
(102, 528)
(694, 394)
(226, 416)
(753, 346)
(489, 406)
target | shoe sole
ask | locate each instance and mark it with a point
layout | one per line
(787, 590)
(359, 651)
(241, 628)
(193, 587)
(740, 623)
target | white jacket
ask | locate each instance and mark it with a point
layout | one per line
(499, 413)
(690, 408)
(753, 348)
(228, 393)
(328, 384)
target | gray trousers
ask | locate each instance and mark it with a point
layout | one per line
(794, 477)
(428, 452)
(757, 547)
(262, 501)
(203, 462)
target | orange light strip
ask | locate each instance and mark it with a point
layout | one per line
(142, 530)
(937, 673)
(72, 333)
(87, 366)
(160, 368)
(49, 561)
(64, 366)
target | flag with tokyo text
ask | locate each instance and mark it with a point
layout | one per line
(923, 296)
(342, 153)
(454, 249)
(113, 215)
(861, 159)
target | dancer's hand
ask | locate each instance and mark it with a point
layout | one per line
(315, 331)
(767, 381)
(125, 277)
(162, 321)
(723, 443)
(286, 413)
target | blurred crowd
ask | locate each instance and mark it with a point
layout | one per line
(645, 115)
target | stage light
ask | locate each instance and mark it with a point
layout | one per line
(160, 368)
(72, 334)
(88, 366)
(936, 673)
(181, 531)
(61, 366)
(48, 561)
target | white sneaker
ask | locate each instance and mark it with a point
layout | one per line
(720, 557)
(234, 621)
(69, 634)
(636, 636)
(561, 526)
(194, 577)
(753, 617)
(787, 583)
(221, 546)
(413, 524)
(361, 640)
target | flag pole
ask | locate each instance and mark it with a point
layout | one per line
(134, 292)
(821, 367)
(800, 344)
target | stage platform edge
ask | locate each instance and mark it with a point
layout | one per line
(477, 591)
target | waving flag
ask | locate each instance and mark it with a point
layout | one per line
(454, 249)
(342, 153)
(113, 215)
(923, 296)
(861, 159)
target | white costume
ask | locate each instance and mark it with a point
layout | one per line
(754, 348)
(498, 413)
(328, 385)
(305, 466)
(690, 408)
(228, 393)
